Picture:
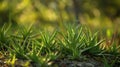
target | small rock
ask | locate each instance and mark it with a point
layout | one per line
(84, 64)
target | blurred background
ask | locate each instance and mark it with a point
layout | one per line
(97, 14)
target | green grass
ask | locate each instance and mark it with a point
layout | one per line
(44, 47)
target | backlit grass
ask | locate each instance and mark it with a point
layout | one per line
(44, 47)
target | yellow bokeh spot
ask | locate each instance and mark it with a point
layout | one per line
(28, 16)
(3, 5)
(50, 15)
(108, 32)
(23, 4)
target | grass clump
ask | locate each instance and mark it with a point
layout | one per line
(4, 36)
(41, 48)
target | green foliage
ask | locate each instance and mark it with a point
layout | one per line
(93, 42)
(4, 37)
(106, 63)
(44, 47)
(110, 63)
(114, 49)
(49, 41)
(72, 42)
